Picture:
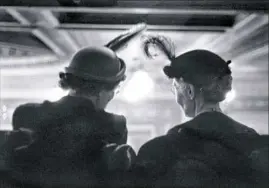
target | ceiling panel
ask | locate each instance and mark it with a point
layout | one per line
(5, 17)
(24, 38)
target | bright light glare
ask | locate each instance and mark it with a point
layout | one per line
(139, 87)
(230, 96)
(56, 94)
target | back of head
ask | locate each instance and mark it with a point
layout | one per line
(93, 68)
(208, 72)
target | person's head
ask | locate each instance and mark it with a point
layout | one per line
(94, 73)
(200, 78)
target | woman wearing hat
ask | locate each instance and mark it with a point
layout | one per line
(74, 142)
(209, 150)
(70, 134)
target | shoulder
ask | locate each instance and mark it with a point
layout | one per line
(158, 141)
(155, 147)
(119, 118)
(118, 121)
(31, 106)
(241, 128)
(25, 110)
(26, 114)
(27, 106)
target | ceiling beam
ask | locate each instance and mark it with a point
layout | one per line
(240, 31)
(112, 27)
(149, 27)
(37, 32)
(48, 20)
(254, 53)
(125, 10)
(15, 27)
(54, 22)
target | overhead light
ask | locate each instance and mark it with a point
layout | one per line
(139, 87)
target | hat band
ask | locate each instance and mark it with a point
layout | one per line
(118, 77)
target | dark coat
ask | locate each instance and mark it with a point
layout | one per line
(67, 140)
(72, 111)
(204, 152)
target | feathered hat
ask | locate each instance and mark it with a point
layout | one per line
(189, 64)
(101, 63)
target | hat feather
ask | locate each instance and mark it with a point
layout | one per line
(164, 44)
(121, 40)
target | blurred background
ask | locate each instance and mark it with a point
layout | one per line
(37, 40)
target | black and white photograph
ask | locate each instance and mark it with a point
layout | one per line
(134, 93)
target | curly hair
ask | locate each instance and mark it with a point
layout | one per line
(93, 87)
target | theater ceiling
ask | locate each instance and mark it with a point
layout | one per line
(37, 41)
